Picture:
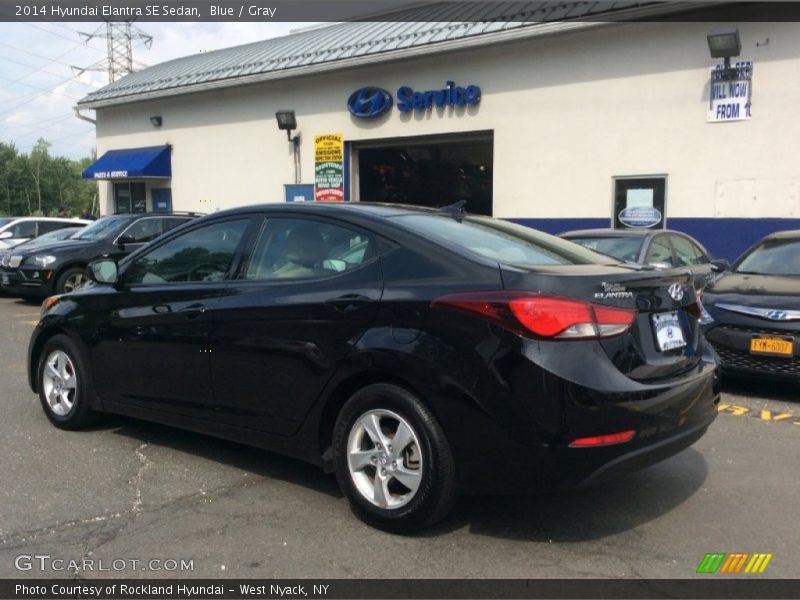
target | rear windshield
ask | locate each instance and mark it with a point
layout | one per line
(102, 228)
(623, 248)
(501, 241)
(772, 257)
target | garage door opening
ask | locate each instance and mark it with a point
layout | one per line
(435, 171)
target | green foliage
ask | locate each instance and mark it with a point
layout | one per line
(39, 183)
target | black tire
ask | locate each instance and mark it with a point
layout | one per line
(436, 492)
(79, 415)
(64, 277)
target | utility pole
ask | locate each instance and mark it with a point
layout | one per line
(119, 46)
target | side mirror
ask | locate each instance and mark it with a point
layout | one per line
(104, 270)
(6, 235)
(719, 265)
(123, 240)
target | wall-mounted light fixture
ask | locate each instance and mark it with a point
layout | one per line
(725, 46)
(287, 121)
(156, 121)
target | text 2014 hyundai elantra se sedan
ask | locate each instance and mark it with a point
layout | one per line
(418, 353)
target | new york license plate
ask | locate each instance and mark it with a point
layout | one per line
(774, 346)
(669, 334)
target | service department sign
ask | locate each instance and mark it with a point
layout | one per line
(371, 102)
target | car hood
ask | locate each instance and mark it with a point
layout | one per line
(768, 297)
(750, 285)
(62, 247)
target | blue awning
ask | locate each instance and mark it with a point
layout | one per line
(132, 163)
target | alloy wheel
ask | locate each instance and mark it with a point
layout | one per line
(59, 382)
(384, 458)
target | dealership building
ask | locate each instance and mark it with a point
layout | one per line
(572, 116)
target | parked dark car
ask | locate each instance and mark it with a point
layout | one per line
(753, 312)
(657, 247)
(61, 267)
(417, 353)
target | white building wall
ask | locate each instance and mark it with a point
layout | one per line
(568, 112)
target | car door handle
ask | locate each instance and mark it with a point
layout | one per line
(193, 311)
(348, 302)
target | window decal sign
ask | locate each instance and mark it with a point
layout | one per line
(329, 167)
(640, 216)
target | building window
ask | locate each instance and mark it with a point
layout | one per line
(639, 202)
(130, 197)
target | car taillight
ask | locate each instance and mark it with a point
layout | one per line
(555, 317)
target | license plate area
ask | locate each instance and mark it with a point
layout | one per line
(669, 333)
(5, 279)
(772, 346)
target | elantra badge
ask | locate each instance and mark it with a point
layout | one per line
(676, 292)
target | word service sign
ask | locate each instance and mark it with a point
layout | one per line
(730, 98)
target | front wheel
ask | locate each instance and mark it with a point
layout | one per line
(63, 385)
(393, 461)
(72, 279)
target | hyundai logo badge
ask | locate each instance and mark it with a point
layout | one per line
(676, 292)
(369, 102)
(777, 315)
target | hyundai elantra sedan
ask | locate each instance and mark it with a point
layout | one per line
(416, 353)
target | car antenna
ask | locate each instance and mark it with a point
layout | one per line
(456, 209)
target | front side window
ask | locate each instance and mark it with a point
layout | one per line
(143, 231)
(623, 248)
(300, 248)
(203, 254)
(660, 251)
(686, 252)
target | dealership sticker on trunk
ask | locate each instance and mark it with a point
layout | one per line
(668, 331)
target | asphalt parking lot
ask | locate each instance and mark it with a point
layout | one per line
(134, 491)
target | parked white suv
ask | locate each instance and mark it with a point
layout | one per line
(15, 230)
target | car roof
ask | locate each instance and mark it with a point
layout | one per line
(56, 219)
(374, 209)
(790, 234)
(608, 232)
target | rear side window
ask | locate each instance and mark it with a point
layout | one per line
(501, 241)
(24, 229)
(303, 248)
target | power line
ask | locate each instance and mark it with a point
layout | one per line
(119, 47)
(63, 37)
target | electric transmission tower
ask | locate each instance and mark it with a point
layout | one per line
(119, 43)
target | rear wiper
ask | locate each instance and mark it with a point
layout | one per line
(455, 210)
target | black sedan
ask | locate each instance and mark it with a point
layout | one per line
(417, 353)
(753, 312)
(656, 247)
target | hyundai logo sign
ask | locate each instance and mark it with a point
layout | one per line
(676, 292)
(369, 102)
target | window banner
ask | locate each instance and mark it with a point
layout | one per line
(329, 167)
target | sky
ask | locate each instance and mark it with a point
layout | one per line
(39, 87)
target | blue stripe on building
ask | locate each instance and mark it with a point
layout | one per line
(724, 238)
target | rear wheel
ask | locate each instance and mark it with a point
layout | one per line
(392, 460)
(72, 279)
(63, 385)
